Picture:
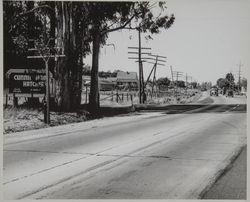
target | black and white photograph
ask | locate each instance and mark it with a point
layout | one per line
(125, 99)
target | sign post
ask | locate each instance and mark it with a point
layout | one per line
(47, 92)
(45, 53)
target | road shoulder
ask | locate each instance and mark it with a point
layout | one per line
(232, 183)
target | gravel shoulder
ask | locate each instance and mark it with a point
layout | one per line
(232, 183)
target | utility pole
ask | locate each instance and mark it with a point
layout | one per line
(239, 72)
(140, 61)
(154, 78)
(141, 85)
(187, 79)
(156, 62)
(186, 82)
(177, 74)
(172, 75)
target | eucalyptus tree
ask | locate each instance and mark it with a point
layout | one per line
(65, 24)
(73, 39)
(222, 82)
(107, 17)
(230, 78)
(74, 26)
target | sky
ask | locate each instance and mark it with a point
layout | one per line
(208, 39)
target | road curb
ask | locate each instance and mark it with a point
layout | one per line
(222, 171)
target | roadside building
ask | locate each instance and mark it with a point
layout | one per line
(105, 84)
(127, 80)
(122, 81)
(85, 81)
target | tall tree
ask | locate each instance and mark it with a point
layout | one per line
(180, 84)
(194, 84)
(230, 78)
(244, 83)
(65, 21)
(222, 83)
(163, 82)
(15, 35)
(20, 25)
(75, 25)
(68, 68)
(113, 16)
(206, 85)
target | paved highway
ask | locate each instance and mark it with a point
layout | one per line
(157, 155)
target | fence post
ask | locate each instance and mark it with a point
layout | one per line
(6, 102)
(45, 110)
(117, 96)
(86, 95)
(15, 100)
(131, 97)
(112, 96)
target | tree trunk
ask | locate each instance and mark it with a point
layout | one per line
(68, 89)
(32, 101)
(94, 88)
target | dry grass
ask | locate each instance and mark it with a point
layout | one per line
(21, 119)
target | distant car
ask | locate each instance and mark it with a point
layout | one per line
(243, 94)
(214, 92)
(229, 93)
(220, 91)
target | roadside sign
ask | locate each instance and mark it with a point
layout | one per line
(27, 81)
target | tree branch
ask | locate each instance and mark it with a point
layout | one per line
(124, 25)
(120, 27)
(32, 10)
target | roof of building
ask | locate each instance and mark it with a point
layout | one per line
(127, 76)
(121, 76)
(110, 79)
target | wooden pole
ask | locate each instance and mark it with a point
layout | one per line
(186, 83)
(154, 78)
(6, 101)
(150, 74)
(140, 64)
(172, 78)
(86, 95)
(15, 101)
(47, 92)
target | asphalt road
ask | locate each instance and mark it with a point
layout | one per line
(158, 155)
